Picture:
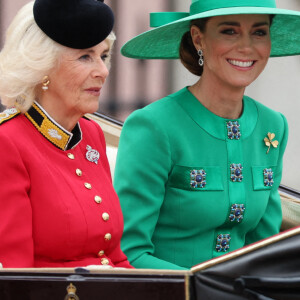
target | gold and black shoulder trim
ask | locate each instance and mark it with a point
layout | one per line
(8, 114)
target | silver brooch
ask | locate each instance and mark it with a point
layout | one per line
(92, 155)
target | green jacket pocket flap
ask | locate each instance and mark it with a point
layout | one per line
(263, 177)
(196, 178)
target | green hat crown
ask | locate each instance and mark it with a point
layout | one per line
(199, 6)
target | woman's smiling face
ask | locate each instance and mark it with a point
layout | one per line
(236, 48)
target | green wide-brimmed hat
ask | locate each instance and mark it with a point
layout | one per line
(163, 41)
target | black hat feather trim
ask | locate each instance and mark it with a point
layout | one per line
(78, 24)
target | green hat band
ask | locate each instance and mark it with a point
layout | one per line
(161, 18)
(202, 6)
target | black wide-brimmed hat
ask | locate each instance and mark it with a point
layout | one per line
(78, 24)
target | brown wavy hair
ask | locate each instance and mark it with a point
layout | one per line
(187, 51)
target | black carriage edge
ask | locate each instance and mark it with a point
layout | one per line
(269, 269)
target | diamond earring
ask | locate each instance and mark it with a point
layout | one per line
(201, 59)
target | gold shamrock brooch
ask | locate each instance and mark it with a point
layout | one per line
(269, 141)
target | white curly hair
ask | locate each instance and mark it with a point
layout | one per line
(27, 56)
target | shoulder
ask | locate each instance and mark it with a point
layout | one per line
(12, 124)
(91, 128)
(151, 122)
(8, 114)
(166, 104)
(160, 110)
(269, 119)
(12, 131)
(89, 124)
(266, 113)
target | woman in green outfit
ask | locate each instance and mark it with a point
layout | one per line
(198, 171)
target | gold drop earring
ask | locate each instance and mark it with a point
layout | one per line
(45, 83)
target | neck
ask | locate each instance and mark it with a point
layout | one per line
(224, 101)
(58, 111)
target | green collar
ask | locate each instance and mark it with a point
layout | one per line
(213, 124)
(51, 130)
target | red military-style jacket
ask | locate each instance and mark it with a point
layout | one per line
(58, 207)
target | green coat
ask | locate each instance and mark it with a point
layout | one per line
(181, 169)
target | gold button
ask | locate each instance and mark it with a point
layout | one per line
(78, 172)
(104, 261)
(107, 237)
(98, 199)
(88, 186)
(105, 216)
(101, 253)
(71, 156)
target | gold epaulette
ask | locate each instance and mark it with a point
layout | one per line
(8, 114)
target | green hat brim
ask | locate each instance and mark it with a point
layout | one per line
(163, 42)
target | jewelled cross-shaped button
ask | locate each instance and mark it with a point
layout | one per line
(237, 212)
(268, 177)
(236, 174)
(198, 178)
(223, 242)
(233, 130)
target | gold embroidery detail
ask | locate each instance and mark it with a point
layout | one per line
(8, 114)
(46, 126)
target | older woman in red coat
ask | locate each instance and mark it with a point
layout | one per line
(58, 206)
